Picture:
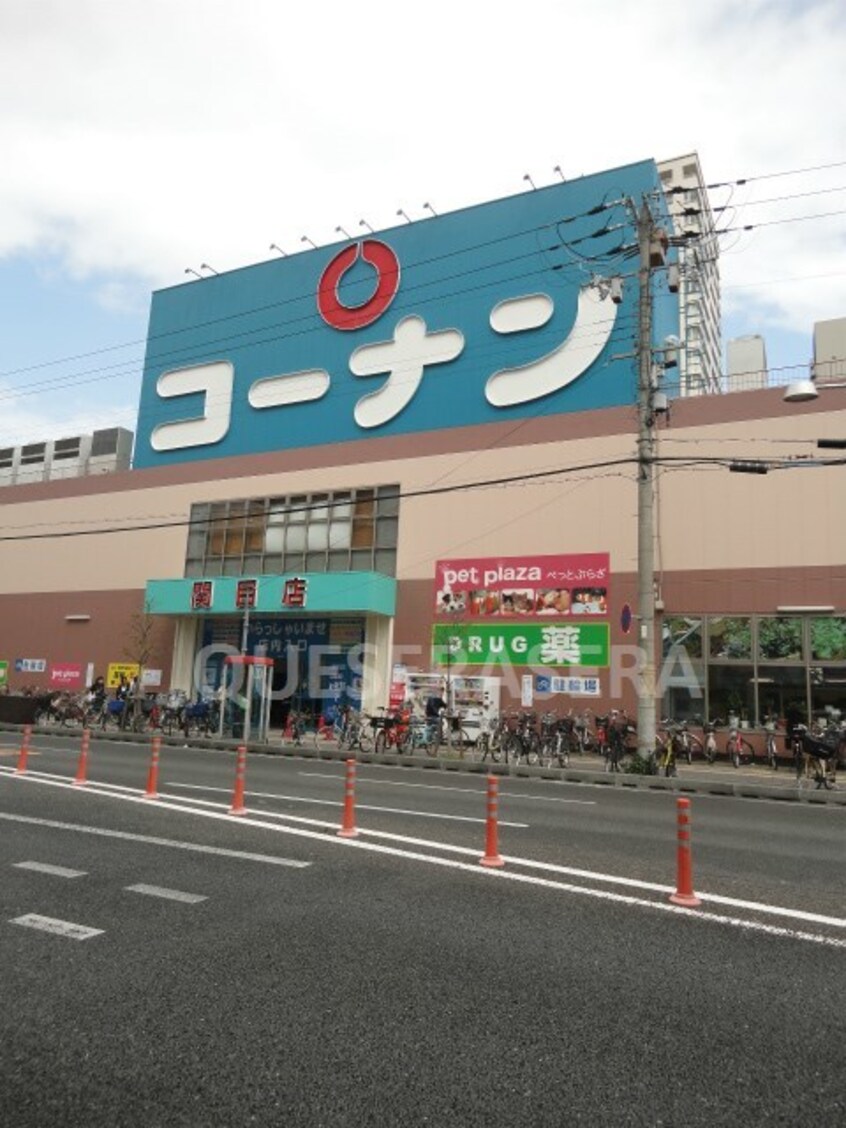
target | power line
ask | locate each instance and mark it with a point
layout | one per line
(670, 461)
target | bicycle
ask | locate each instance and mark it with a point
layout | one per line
(617, 733)
(710, 746)
(522, 740)
(770, 745)
(689, 745)
(449, 730)
(738, 749)
(392, 731)
(668, 744)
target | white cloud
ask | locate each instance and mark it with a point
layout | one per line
(145, 136)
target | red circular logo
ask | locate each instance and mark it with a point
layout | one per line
(386, 263)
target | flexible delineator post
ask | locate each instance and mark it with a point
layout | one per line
(491, 856)
(238, 807)
(24, 751)
(684, 894)
(81, 777)
(153, 772)
(348, 828)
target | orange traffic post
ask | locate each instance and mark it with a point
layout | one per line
(153, 772)
(348, 829)
(238, 807)
(24, 752)
(684, 894)
(492, 855)
(81, 777)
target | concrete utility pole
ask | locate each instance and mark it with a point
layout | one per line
(647, 239)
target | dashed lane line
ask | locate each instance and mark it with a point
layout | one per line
(443, 787)
(65, 928)
(45, 867)
(339, 803)
(167, 894)
(149, 840)
(495, 874)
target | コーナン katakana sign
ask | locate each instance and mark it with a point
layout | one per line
(479, 316)
(529, 644)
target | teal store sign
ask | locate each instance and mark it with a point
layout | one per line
(530, 644)
(493, 313)
(364, 593)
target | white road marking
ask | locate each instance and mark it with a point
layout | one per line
(44, 867)
(151, 841)
(443, 787)
(509, 875)
(167, 894)
(339, 803)
(64, 928)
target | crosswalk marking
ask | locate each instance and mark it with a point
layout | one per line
(167, 894)
(64, 928)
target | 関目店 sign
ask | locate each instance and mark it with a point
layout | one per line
(516, 587)
(527, 644)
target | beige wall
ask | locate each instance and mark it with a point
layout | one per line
(707, 518)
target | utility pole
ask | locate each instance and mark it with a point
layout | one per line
(649, 244)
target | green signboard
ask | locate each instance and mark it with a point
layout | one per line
(529, 644)
(4, 672)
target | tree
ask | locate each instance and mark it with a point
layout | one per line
(143, 647)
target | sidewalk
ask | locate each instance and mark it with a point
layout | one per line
(754, 781)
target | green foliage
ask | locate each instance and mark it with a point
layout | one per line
(731, 637)
(779, 638)
(828, 639)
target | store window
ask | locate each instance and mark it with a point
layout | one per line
(779, 640)
(828, 639)
(755, 668)
(732, 694)
(335, 531)
(683, 670)
(730, 638)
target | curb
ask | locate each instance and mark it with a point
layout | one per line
(727, 788)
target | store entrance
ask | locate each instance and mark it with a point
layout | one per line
(317, 662)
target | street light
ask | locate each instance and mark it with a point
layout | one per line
(803, 391)
(188, 270)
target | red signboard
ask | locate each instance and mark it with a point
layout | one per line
(294, 592)
(520, 586)
(202, 595)
(66, 675)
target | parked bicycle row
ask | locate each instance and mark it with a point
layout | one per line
(167, 713)
(551, 739)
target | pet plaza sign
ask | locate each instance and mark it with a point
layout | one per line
(529, 644)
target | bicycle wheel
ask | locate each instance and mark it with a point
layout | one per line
(533, 750)
(695, 748)
(381, 742)
(733, 752)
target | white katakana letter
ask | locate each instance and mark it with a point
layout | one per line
(215, 382)
(292, 387)
(560, 646)
(590, 333)
(404, 358)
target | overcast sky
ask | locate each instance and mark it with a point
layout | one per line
(141, 137)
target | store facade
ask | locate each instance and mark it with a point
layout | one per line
(409, 462)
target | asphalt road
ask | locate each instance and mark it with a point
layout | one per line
(262, 970)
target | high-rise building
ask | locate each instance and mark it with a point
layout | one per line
(746, 364)
(830, 350)
(699, 286)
